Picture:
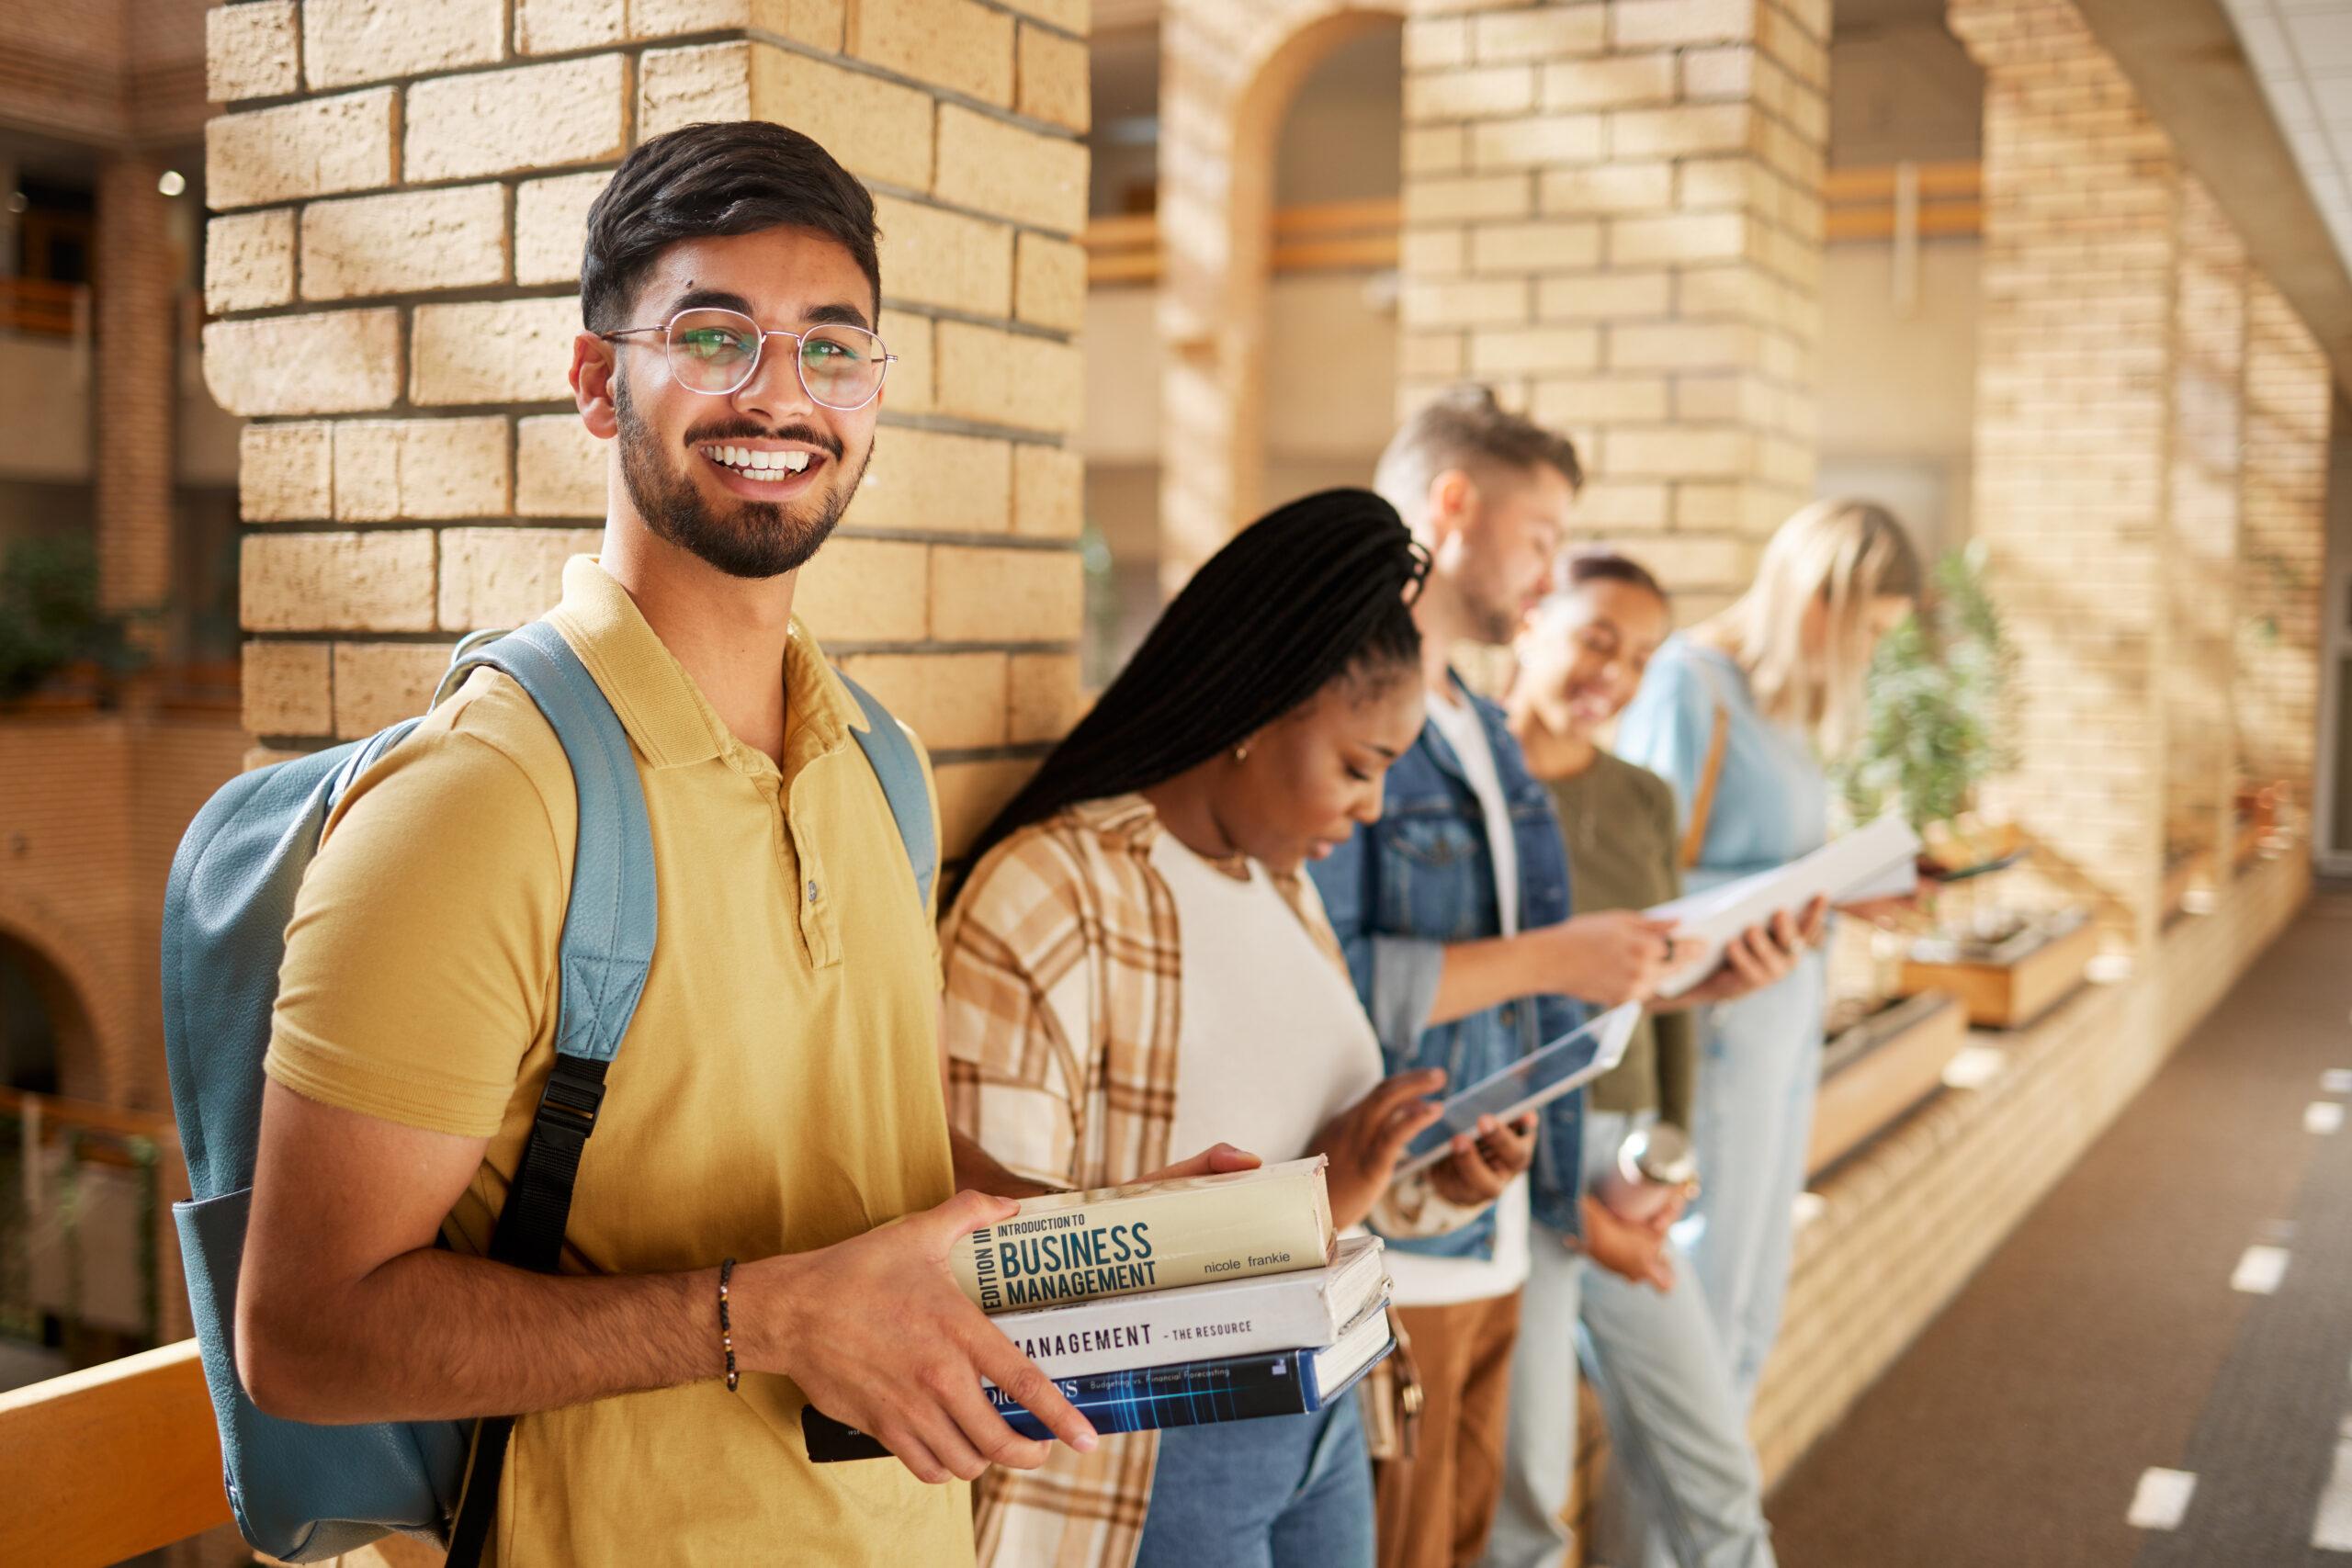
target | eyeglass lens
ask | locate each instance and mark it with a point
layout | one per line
(716, 351)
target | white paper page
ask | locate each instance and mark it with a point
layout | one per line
(1876, 862)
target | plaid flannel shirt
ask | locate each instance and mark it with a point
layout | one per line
(1063, 980)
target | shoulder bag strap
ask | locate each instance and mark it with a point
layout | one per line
(892, 757)
(609, 925)
(1702, 803)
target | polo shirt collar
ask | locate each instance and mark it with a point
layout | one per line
(668, 718)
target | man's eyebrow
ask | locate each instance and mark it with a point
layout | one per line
(839, 314)
(1391, 755)
(710, 299)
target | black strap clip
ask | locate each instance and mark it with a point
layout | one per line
(574, 1093)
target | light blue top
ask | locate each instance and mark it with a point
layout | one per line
(1772, 798)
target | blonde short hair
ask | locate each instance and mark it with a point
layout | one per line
(1845, 554)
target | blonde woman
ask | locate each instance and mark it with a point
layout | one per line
(1739, 714)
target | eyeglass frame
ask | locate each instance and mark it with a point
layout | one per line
(759, 354)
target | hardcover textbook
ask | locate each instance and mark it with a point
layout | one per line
(1157, 1235)
(1239, 1317)
(1190, 1394)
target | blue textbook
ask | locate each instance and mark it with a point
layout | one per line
(1186, 1393)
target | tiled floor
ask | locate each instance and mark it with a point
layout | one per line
(2157, 1367)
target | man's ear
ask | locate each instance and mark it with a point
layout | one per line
(592, 369)
(1452, 501)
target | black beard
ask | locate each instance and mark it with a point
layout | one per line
(757, 538)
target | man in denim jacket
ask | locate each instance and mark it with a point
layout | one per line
(1453, 910)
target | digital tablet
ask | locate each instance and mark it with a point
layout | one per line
(1534, 1080)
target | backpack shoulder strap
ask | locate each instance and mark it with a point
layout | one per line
(609, 925)
(892, 757)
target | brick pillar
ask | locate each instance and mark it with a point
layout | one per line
(2073, 420)
(2209, 422)
(2282, 547)
(422, 194)
(1228, 75)
(1613, 214)
(135, 296)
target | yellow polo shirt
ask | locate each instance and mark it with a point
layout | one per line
(777, 1091)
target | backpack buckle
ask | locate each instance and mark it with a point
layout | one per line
(574, 1094)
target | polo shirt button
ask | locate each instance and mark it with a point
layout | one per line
(812, 892)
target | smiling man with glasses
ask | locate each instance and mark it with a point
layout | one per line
(778, 1103)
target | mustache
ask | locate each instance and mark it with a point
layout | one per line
(743, 430)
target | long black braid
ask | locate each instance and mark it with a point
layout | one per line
(1312, 591)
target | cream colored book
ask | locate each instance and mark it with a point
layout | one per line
(1150, 1235)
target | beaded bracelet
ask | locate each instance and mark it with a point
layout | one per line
(726, 1328)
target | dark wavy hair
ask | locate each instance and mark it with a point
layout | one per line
(1317, 589)
(716, 179)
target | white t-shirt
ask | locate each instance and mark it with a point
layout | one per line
(1271, 1042)
(1420, 1279)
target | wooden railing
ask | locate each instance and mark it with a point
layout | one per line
(41, 309)
(110, 1462)
(1939, 199)
(1872, 203)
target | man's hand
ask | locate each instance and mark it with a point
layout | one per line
(1364, 1142)
(877, 1334)
(1628, 1248)
(1612, 956)
(1477, 1169)
(1759, 956)
(1214, 1160)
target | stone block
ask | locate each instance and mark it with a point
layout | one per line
(531, 117)
(494, 351)
(375, 581)
(319, 147)
(406, 243)
(327, 362)
(420, 470)
(495, 578)
(979, 594)
(251, 51)
(1010, 171)
(249, 260)
(559, 468)
(287, 688)
(286, 472)
(346, 42)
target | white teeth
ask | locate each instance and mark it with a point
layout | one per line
(797, 461)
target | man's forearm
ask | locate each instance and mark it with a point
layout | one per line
(431, 1335)
(1485, 974)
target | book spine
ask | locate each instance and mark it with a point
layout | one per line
(1126, 1331)
(1152, 1241)
(1191, 1394)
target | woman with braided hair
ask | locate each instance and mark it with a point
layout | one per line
(1135, 964)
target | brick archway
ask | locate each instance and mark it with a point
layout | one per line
(1228, 76)
(90, 1052)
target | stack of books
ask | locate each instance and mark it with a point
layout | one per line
(1173, 1303)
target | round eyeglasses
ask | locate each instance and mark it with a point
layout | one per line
(718, 352)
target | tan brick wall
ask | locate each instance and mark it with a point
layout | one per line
(2209, 424)
(391, 273)
(1613, 215)
(2082, 258)
(2282, 545)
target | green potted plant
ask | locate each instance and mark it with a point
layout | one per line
(58, 646)
(1936, 724)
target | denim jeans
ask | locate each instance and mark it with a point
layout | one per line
(1684, 1481)
(1760, 1067)
(1280, 1492)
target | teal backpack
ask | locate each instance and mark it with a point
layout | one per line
(302, 1491)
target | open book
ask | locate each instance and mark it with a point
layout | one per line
(1877, 862)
